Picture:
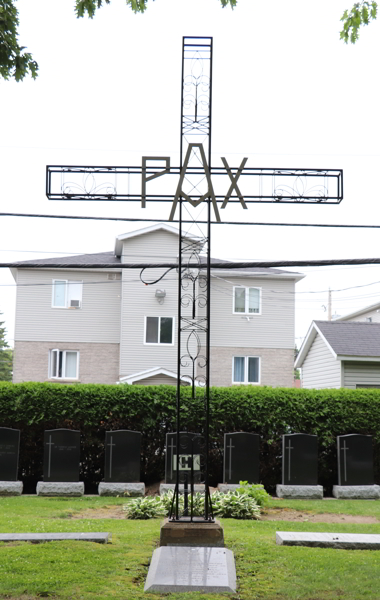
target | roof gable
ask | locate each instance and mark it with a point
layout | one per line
(345, 340)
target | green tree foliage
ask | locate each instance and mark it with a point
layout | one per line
(89, 7)
(14, 62)
(362, 13)
(6, 356)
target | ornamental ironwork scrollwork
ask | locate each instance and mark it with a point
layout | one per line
(196, 97)
(299, 189)
(88, 188)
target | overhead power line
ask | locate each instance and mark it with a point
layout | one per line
(265, 224)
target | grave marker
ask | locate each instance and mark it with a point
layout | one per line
(299, 459)
(299, 467)
(122, 456)
(61, 455)
(61, 464)
(355, 468)
(241, 457)
(355, 459)
(9, 455)
(122, 464)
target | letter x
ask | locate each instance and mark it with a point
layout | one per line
(234, 182)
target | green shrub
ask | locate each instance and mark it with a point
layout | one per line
(255, 491)
(149, 507)
(270, 412)
(235, 505)
(198, 503)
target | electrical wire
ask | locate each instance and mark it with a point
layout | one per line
(143, 220)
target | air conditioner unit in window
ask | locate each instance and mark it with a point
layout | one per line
(74, 303)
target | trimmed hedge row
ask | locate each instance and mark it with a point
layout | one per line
(271, 412)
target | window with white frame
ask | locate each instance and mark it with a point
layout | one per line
(67, 294)
(159, 330)
(63, 364)
(246, 369)
(247, 300)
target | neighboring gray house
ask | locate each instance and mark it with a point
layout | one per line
(369, 314)
(338, 354)
(97, 326)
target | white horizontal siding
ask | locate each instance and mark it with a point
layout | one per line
(151, 248)
(98, 319)
(138, 302)
(273, 328)
(371, 314)
(356, 373)
(320, 369)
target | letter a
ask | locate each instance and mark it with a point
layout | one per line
(210, 192)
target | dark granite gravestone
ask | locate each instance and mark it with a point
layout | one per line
(9, 451)
(190, 450)
(122, 456)
(299, 459)
(61, 455)
(355, 459)
(241, 457)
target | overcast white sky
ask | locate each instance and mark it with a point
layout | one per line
(287, 93)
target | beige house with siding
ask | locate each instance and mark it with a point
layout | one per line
(339, 354)
(106, 326)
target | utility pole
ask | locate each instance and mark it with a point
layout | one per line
(329, 306)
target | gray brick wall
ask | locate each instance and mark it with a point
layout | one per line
(276, 365)
(98, 363)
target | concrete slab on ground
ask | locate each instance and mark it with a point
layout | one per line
(100, 537)
(349, 541)
(196, 569)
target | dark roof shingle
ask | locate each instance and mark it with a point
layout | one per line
(352, 338)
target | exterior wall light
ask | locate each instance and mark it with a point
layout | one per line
(160, 296)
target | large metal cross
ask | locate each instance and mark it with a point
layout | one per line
(195, 182)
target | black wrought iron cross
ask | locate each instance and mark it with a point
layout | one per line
(195, 182)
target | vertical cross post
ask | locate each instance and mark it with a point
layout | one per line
(230, 447)
(50, 444)
(344, 450)
(289, 448)
(195, 141)
(111, 445)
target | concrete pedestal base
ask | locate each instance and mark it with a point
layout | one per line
(131, 490)
(228, 487)
(58, 488)
(357, 492)
(11, 488)
(209, 535)
(167, 487)
(306, 492)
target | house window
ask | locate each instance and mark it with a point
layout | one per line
(246, 369)
(159, 330)
(67, 294)
(247, 300)
(63, 364)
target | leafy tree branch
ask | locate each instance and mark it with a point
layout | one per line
(362, 13)
(14, 62)
(138, 6)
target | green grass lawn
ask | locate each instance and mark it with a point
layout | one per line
(84, 570)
